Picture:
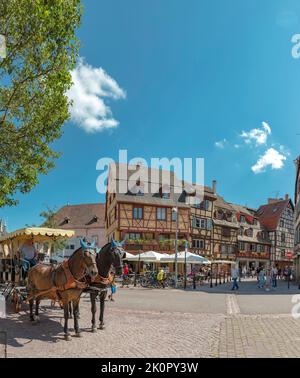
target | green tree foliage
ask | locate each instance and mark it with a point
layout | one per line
(34, 77)
(49, 221)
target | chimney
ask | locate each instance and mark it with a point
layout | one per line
(286, 197)
(214, 186)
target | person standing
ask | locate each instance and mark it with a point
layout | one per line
(274, 273)
(125, 275)
(261, 278)
(235, 276)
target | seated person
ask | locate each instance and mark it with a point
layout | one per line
(28, 255)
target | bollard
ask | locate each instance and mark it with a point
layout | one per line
(134, 282)
(194, 282)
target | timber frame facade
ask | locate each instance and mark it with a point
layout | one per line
(297, 221)
(278, 218)
(214, 228)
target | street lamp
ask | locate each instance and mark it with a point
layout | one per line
(175, 211)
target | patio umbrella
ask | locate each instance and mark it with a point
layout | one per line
(149, 256)
(188, 257)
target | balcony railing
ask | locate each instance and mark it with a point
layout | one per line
(254, 255)
(153, 245)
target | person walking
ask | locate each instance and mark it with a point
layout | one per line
(113, 289)
(235, 276)
(274, 273)
(161, 278)
(261, 278)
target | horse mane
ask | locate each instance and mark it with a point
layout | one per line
(75, 252)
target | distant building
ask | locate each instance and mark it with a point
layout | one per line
(3, 229)
(297, 220)
(87, 220)
(278, 219)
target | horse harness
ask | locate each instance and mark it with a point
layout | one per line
(72, 282)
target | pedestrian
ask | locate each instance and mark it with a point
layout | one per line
(125, 275)
(261, 278)
(113, 289)
(235, 276)
(161, 278)
(274, 273)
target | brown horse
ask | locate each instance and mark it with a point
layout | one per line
(63, 283)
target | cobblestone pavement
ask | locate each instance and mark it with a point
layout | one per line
(128, 333)
(170, 323)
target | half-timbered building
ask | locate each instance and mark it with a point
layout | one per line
(278, 219)
(201, 225)
(143, 211)
(253, 243)
(297, 221)
(225, 230)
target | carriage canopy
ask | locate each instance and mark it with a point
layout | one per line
(11, 242)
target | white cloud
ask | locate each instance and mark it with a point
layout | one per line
(221, 143)
(271, 158)
(91, 86)
(259, 136)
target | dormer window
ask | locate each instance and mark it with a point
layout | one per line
(249, 232)
(164, 192)
(229, 216)
(95, 218)
(66, 220)
(220, 214)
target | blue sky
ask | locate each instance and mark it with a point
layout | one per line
(189, 77)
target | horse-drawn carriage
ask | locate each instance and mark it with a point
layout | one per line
(87, 269)
(13, 267)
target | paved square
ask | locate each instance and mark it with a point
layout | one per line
(168, 323)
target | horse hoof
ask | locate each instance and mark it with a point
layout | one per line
(101, 326)
(67, 337)
(37, 319)
(94, 330)
(78, 334)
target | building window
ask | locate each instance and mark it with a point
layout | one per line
(250, 232)
(161, 213)
(174, 216)
(208, 224)
(282, 237)
(204, 205)
(241, 231)
(226, 231)
(137, 213)
(281, 223)
(198, 243)
(202, 223)
(133, 236)
(241, 246)
(243, 219)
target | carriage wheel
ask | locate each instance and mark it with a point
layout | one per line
(16, 301)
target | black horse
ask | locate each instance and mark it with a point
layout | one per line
(110, 255)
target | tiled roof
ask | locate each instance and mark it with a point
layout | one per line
(81, 216)
(150, 176)
(270, 214)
